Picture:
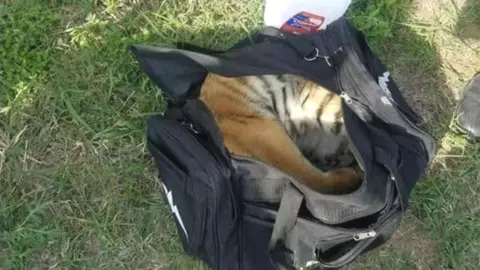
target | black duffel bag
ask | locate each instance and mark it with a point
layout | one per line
(234, 212)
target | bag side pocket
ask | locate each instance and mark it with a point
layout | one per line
(185, 194)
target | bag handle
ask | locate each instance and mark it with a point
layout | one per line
(382, 157)
(287, 215)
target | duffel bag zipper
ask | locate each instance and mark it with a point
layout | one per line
(332, 62)
(349, 100)
(197, 132)
(361, 235)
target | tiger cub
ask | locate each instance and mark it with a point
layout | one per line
(287, 122)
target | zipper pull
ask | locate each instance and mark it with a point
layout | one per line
(190, 126)
(346, 97)
(365, 235)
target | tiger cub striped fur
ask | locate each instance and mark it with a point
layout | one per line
(287, 122)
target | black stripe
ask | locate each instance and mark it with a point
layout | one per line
(307, 97)
(294, 92)
(266, 83)
(300, 84)
(293, 86)
(268, 88)
(320, 109)
(260, 104)
(284, 93)
(274, 101)
(281, 78)
(243, 81)
(259, 96)
(294, 130)
(236, 96)
(338, 124)
(253, 90)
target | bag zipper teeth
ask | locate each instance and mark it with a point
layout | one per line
(348, 100)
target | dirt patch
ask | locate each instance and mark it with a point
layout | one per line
(412, 239)
(470, 31)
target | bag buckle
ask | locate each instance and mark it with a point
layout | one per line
(316, 55)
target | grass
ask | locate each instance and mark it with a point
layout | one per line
(78, 188)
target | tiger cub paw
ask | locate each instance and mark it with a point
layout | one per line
(345, 180)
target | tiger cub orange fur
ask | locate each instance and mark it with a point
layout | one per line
(287, 122)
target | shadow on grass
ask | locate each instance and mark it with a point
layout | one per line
(435, 232)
